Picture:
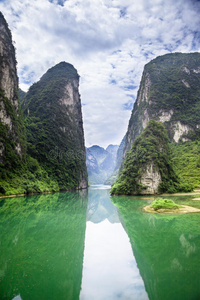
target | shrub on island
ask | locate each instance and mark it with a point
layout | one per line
(164, 204)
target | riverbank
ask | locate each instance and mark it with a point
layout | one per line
(196, 192)
(184, 209)
(42, 193)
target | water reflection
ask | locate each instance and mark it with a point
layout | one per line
(42, 245)
(166, 248)
(110, 270)
(100, 207)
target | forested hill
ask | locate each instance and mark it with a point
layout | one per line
(42, 150)
(148, 166)
(52, 109)
(12, 130)
(170, 93)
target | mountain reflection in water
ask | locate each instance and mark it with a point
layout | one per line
(79, 245)
(109, 270)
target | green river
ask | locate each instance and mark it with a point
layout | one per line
(87, 245)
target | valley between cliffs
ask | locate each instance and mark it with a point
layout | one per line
(42, 146)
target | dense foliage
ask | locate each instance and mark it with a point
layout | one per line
(160, 203)
(11, 135)
(186, 162)
(46, 151)
(54, 130)
(22, 94)
(29, 177)
(171, 84)
(151, 147)
(19, 173)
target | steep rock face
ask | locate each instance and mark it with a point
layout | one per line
(91, 163)
(151, 179)
(169, 93)
(12, 140)
(147, 168)
(55, 135)
(8, 77)
(118, 160)
(112, 149)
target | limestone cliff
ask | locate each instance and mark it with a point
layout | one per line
(147, 168)
(54, 156)
(169, 93)
(12, 139)
(52, 108)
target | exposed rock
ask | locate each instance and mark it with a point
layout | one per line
(52, 107)
(147, 169)
(180, 130)
(185, 69)
(8, 72)
(144, 91)
(185, 83)
(5, 119)
(12, 144)
(145, 119)
(151, 179)
(197, 71)
(165, 116)
(168, 93)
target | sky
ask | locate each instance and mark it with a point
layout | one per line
(108, 42)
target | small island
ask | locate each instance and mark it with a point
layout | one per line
(169, 206)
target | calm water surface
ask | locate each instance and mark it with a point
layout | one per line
(109, 269)
(82, 246)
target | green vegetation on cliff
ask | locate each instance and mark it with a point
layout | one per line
(175, 81)
(12, 135)
(29, 177)
(169, 92)
(45, 152)
(150, 148)
(52, 110)
(186, 161)
(22, 94)
(19, 173)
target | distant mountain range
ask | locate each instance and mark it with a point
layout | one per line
(100, 162)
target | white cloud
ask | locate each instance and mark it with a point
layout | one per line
(107, 41)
